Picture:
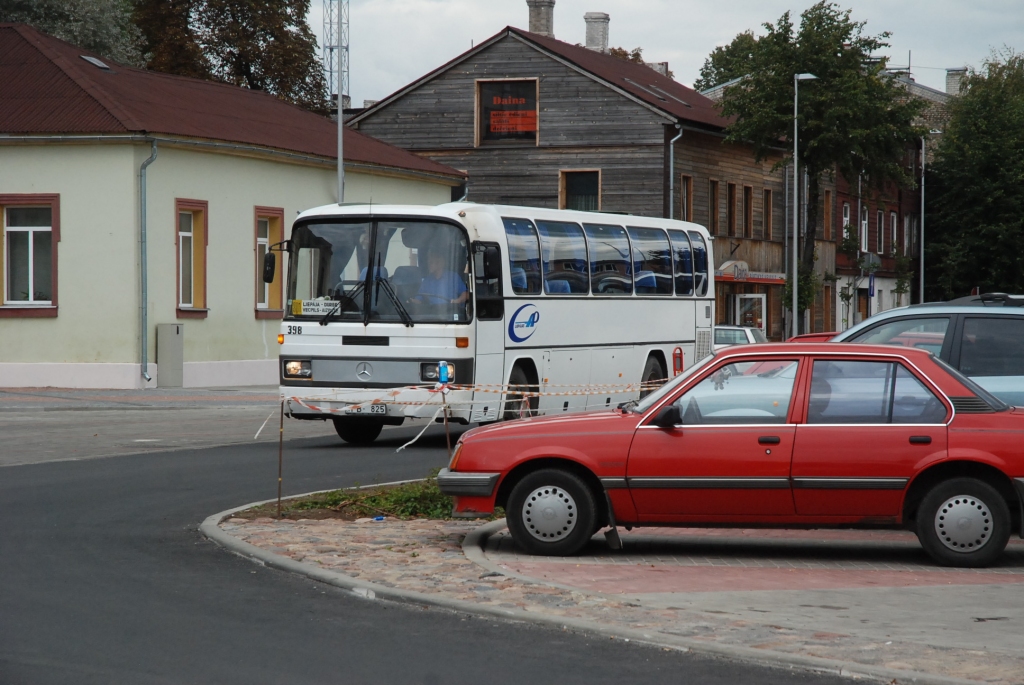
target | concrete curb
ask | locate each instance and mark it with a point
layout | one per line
(473, 547)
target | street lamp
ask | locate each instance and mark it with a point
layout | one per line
(924, 154)
(797, 78)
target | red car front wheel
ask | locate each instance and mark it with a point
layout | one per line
(551, 512)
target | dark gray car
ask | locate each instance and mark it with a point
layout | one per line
(982, 336)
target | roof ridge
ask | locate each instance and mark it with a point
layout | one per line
(79, 77)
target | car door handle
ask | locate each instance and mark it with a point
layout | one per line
(920, 439)
(769, 440)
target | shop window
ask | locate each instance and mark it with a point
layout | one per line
(652, 261)
(686, 198)
(610, 270)
(564, 252)
(29, 232)
(507, 112)
(713, 207)
(767, 210)
(269, 231)
(580, 190)
(191, 248)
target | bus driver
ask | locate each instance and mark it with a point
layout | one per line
(440, 285)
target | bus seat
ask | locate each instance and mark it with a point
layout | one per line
(379, 271)
(645, 282)
(558, 286)
(406, 281)
(518, 276)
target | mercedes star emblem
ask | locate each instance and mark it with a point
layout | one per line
(364, 371)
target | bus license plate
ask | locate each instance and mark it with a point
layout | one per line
(377, 409)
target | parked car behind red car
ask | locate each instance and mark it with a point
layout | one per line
(824, 435)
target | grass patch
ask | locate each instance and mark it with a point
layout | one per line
(420, 499)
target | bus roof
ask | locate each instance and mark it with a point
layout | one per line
(459, 211)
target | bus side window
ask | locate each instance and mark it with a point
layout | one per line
(566, 269)
(487, 275)
(700, 264)
(652, 261)
(610, 270)
(683, 261)
(523, 256)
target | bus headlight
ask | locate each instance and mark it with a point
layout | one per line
(432, 372)
(298, 369)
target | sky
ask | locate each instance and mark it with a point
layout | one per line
(394, 42)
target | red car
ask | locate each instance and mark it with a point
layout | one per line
(814, 435)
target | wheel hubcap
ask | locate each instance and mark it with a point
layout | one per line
(549, 513)
(963, 523)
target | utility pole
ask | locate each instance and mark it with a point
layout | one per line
(336, 51)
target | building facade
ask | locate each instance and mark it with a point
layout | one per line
(540, 122)
(94, 157)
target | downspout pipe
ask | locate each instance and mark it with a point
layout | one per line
(672, 173)
(143, 263)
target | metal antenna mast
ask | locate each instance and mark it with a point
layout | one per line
(336, 49)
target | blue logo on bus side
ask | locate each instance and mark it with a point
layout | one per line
(523, 323)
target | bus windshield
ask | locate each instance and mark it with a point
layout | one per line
(394, 271)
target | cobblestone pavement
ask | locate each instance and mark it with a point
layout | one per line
(863, 597)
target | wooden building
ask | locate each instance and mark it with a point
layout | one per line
(540, 122)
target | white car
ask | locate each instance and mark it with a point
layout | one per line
(738, 335)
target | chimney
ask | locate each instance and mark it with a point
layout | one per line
(953, 79)
(542, 17)
(597, 31)
(660, 67)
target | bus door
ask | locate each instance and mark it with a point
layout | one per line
(490, 329)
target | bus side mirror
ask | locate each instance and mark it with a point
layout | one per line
(668, 417)
(269, 267)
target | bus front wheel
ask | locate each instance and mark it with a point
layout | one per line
(517, 406)
(358, 431)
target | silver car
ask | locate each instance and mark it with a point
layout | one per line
(738, 335)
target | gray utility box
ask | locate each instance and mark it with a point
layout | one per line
(170, 355)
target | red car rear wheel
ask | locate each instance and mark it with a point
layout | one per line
(964, 522)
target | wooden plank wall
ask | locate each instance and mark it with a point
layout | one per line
(582, 124)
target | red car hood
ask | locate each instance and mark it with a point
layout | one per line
(557, 425)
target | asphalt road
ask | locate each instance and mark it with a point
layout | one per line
(105, 579)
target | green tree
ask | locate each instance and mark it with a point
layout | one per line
(975, 201)
(728, 62)
(101, 26)
(265, 46)
(855, 119)
(259, 44)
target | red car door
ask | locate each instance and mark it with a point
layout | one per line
(870, 424)
(730, 456)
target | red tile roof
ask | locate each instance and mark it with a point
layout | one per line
(49, 89)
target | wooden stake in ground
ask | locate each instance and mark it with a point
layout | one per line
(280, 459)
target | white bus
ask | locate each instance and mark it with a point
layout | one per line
(378, 296)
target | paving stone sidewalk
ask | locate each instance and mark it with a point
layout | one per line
(863, 597)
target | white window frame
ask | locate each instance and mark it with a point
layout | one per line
(894, 225)
(190, 254)
(30, 230)
(864, 230)
(262, 288)
(846, 215)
